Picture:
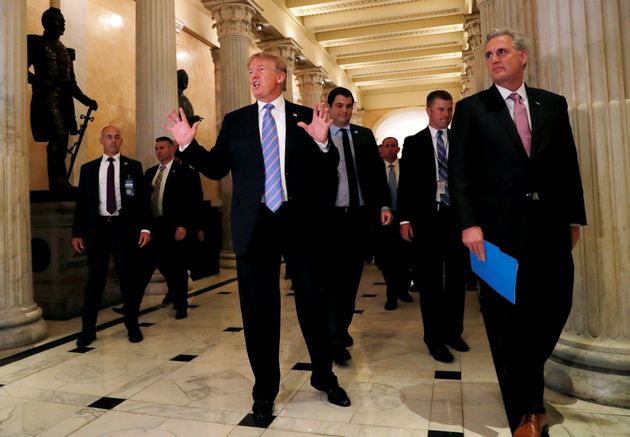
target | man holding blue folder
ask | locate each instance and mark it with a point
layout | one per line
(515, 182)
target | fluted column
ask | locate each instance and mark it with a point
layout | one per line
(234, 25)
(474, 66)
(581, 45)
(156, 73)
(289, 50)
(310, 83)
(487, 22)
(20, 318)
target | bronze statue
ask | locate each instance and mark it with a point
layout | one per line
(54, 88)
(182, 84)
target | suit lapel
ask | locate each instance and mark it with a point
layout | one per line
(291, 132)
(535, 112)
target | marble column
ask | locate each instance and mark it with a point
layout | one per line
(474, 66)
(310, 83)
(20, 318)
(234, 27)
(156, 73)
(289, 50)
(581, 45)
(487, 23)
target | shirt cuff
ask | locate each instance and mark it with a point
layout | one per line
(145, 230)
(406, 222)
(183, 147)
(323, 146)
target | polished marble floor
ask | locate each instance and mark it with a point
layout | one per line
(191, 378)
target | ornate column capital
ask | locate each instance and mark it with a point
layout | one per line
(472, 31)
(310, 82)
(286, 48)
(232, 18)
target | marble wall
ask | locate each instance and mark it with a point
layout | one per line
(103, 34)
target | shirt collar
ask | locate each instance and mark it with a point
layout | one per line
(278, 104)
(334, 129)
(116, 157)
(434, 132)
(167, 166)
(505, 93)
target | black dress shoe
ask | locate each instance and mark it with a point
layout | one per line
(458, 344)
(346, 340)
(341, 355)
(119, 310)
(337, 396)
(135, 336)
(181, 313)
(405, 297)
(442, 354)
(391, 305)
(263, 411)
(85, 339)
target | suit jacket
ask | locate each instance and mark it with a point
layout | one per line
(134, 206)
(417, 183)
(182, 195)
(492, 180)
(309, 172)
(369, 168)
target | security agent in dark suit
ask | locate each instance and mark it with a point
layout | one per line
(429, 223)
(110, 220)
(175, 192)
(281, 167)
(392, 254)
(515, 182)
(362, 202)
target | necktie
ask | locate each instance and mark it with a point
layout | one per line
(155, 194)
(111, 187)
(393, 191)
(353, 187)
(521, 121)
(271, 158)
(443, 167)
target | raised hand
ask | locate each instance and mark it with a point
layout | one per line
(182, 132)
(318, 128)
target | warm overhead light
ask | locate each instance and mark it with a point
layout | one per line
(113, 21)
(259, 26)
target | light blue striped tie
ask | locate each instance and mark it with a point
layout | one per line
(443, 167)
(271, 157)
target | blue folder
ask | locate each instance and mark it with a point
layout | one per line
(498, 271)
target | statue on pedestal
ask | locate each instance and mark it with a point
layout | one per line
(182, 84)
(54, 88)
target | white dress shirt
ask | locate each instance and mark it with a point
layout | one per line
(165, 172)
(102, 185)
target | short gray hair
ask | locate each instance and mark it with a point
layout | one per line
(519, 41)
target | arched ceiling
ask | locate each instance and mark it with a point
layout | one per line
(389, 45)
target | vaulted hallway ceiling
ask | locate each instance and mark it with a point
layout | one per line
(389, 44)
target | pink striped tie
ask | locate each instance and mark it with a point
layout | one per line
(521, 121)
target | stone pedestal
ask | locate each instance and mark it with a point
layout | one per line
(20, 318)
(59, 274)
(580, 45)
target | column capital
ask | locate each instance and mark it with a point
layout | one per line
(472, 31)
(311, 75)
(232, 18)
(286, 48)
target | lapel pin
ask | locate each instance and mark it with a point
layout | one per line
(538, 103)
(294, 114)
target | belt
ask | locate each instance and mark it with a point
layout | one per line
(109, 218)
(532, 196)
(348, 209)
